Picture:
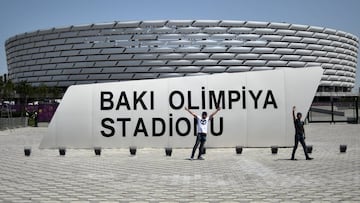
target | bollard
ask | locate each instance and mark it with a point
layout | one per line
(168, 151)
(62, 151)
(133, 151)
(97, 151)
(238, 149)
(27, 151)
(309, 149)
(343, 148)
(274, 149)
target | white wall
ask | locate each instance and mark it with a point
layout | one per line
(77, 122)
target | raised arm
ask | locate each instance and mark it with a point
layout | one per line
(213, 114)
(293, 112)
(192, 113)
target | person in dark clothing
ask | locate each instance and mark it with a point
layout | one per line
(202, 127)
(299, 134)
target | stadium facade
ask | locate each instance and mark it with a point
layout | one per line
(134, 50)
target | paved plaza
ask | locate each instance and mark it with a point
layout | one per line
(254, 176)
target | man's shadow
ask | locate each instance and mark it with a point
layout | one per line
(285, 160)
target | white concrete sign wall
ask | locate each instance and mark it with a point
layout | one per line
(256, 110)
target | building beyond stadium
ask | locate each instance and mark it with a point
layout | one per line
(133, 50)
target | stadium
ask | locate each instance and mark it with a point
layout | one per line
(135, 50)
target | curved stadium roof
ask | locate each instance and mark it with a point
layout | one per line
(132, 50)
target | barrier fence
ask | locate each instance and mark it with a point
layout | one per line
(14, 116)
(10, 123)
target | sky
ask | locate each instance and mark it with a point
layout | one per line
(19, 16)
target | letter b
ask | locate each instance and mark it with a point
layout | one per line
(106, 101)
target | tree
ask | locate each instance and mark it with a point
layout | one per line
(25, 91)
(55, 92)
(42, 91)
(8, 90)
(1, 88)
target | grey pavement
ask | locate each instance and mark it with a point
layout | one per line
(254, 176)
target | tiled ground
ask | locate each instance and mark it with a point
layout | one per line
(150, 176)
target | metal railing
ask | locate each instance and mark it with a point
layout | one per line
(11, 123)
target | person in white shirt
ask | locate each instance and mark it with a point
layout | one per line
(202, 128)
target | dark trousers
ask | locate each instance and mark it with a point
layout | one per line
(299, 138)
(200, 139)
